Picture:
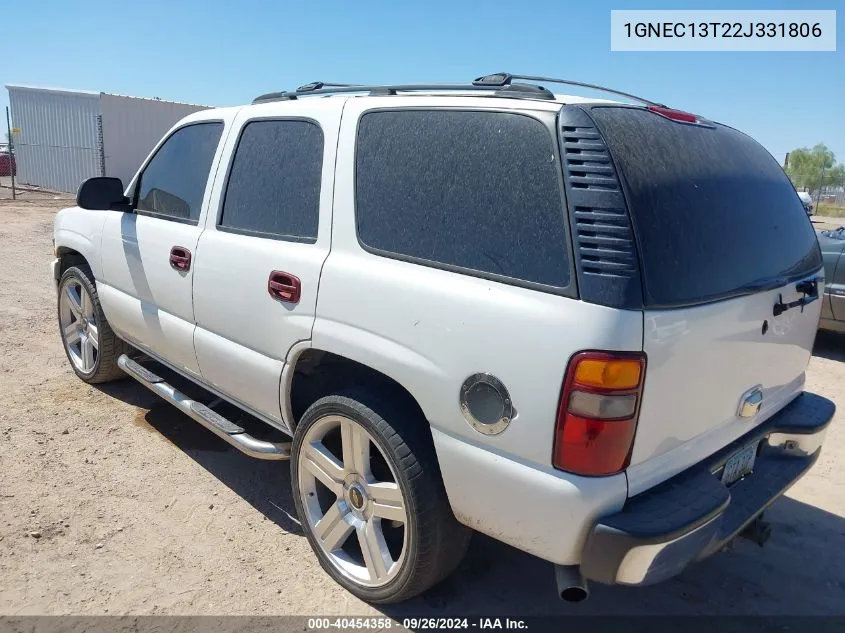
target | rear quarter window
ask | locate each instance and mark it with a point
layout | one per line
(478, 192)
(713, 212)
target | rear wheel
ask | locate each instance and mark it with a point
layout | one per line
(90, 344)
(371, 500)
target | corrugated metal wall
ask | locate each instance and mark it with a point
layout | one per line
(67, 136)
(57, 144)
(132, 127)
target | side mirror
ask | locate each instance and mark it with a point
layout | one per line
(102, 193)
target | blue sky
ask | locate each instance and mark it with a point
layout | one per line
(227, 52)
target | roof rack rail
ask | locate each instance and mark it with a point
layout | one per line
(505, 79)
(501, 83)
(322, 88)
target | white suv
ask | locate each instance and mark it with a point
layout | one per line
(578, 326)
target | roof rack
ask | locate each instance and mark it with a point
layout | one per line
(501, 84)
(319, 85)
(321, 88)
(505, 79)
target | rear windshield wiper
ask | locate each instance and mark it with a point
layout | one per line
(809, 288)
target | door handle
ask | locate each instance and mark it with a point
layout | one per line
(284, 286)
(180, 258)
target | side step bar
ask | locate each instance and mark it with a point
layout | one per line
(213, 421)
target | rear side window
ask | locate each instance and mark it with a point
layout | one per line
(713, 212)
(173, 183)
(476, 191)
(274, 183)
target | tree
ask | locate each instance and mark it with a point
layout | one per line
(809, 168)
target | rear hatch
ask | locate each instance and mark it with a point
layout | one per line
(722, 238)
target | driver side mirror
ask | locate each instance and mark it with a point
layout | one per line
(102, 193)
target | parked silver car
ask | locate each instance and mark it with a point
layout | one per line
(833, 305)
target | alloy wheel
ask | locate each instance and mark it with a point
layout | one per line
(79, 325)
(354, 506)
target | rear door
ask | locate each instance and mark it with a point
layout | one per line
(267, 236)
(722, 238)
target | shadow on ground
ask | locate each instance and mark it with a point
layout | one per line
(830, 345)
(263, 484)
(798, 572)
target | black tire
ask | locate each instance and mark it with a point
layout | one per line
(110, 347)
(436, 542)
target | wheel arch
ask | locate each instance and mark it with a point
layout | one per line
(313, 373)
(69, 257)
(78, 232)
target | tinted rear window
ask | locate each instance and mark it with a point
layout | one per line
(477, 191)
(274, 184)
(712, 211)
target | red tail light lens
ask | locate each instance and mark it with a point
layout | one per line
(675, 115)
(597, 414)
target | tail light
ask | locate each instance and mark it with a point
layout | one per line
(597, 415)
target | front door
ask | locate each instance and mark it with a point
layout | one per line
(267, 235)
(149, 255)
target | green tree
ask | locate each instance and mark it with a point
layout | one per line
(809, 168)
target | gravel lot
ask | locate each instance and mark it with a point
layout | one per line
(112, 502)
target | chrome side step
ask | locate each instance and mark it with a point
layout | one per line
(213, 421)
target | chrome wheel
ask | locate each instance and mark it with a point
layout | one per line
(79, 325)
(353, 504)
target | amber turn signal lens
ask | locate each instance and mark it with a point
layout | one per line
(617, 373)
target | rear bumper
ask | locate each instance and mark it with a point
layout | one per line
(693, 515)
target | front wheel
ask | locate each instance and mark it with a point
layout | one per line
(91, 346)
(370, 498)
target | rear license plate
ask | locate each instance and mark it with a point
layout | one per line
(739, 465)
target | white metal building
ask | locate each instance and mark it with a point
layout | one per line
(63, 137)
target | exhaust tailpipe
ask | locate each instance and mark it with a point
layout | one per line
(571, 585)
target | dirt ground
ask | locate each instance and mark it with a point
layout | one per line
(112, 502)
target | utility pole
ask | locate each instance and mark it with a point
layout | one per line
(819, 194)
(12, 164)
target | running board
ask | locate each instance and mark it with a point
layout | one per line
(213, 421)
